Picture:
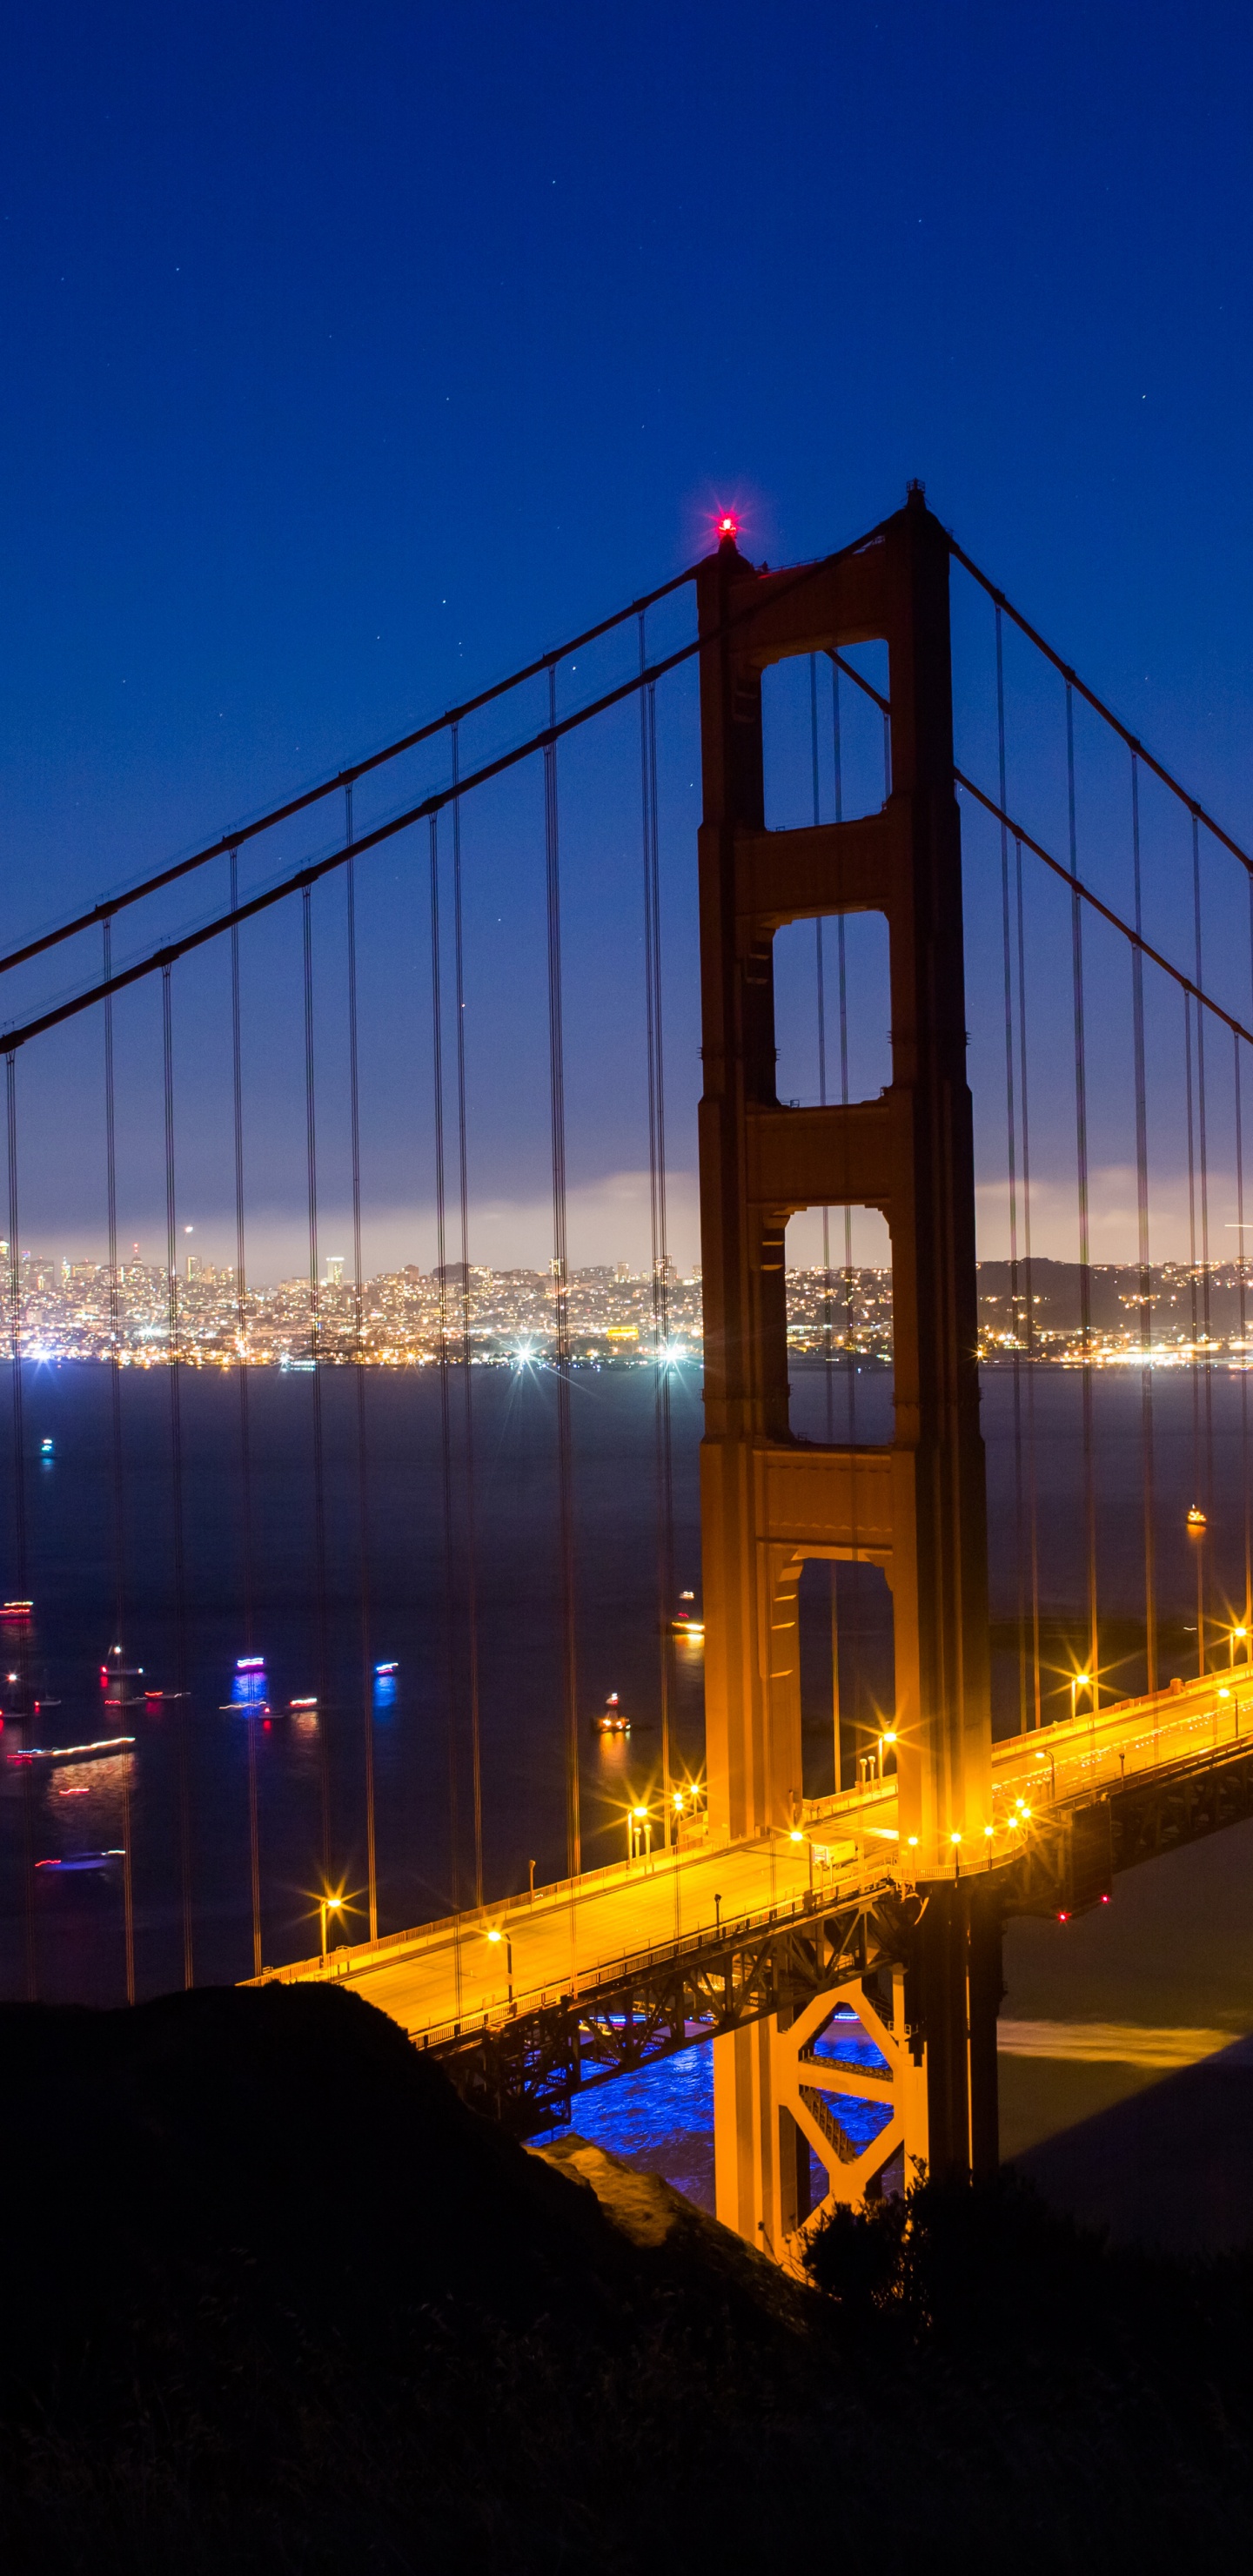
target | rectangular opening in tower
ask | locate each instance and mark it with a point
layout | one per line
(824, 737)
(832, 1009)
(839, 1326)
(848, 1674)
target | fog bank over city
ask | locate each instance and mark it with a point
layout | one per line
(608, 1221)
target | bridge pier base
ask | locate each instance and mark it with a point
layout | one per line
(873, 2083)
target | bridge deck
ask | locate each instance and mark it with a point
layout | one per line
(450, 1976)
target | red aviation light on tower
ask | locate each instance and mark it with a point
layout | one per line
(727, 527)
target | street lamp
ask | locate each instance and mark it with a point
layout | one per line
(1243, 1635)
(328, 1905)
(497, 1936)
(1078, 1682)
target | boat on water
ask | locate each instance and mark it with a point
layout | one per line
(613, 1719)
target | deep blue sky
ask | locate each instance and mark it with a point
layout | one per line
(354, 353)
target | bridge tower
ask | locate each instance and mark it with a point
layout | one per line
(916, 1507)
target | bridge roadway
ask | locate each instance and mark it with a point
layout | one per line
(452, 1975)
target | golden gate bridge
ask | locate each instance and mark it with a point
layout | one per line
(751, 1911)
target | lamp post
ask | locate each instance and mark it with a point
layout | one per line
(496, 1936)
(1243, 1635)
(328, 1905)
(1078, 1682)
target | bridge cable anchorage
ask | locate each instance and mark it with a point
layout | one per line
(245, 1439)
(561, 1310)
(363, 1477)
(1024, 1112)
(21, 1550)
(445, 1416)
(1081, 1161)
(1202, 1141)
(1015, 1309)
(115, 1411)
(313, 871)
(315, 1354)
(471, 1525)
(1147, 1475)
(664, 1460)
(174, 1330)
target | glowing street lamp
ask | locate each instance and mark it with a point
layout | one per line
(639, 1833)
(328, 1905)
(1078, 1682)
(1243, 1635)
(496, 1936)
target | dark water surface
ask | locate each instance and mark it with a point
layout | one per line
(321, 1638)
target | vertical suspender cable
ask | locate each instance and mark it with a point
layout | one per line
(1208, 1373)
(820, 969)
(1244, 1371)
(561, 1310)
(115, 1392)
(828, 1388)
(659, 1226)
(1015, 1306)
(441, 1272)
(1246, 1480)
(19, 1529)
(1029, 1297)
(1146, 1276)
(1081, 1152)
(245, 1441)
(1199, 1534)
(315, 1354)
(471, 1561)
(176, 1480)
(359, 1369)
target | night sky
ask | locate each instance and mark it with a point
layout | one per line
(355, 355)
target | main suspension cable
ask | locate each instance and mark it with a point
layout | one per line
(343, 778)
(312, 873)
(1081, 689)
